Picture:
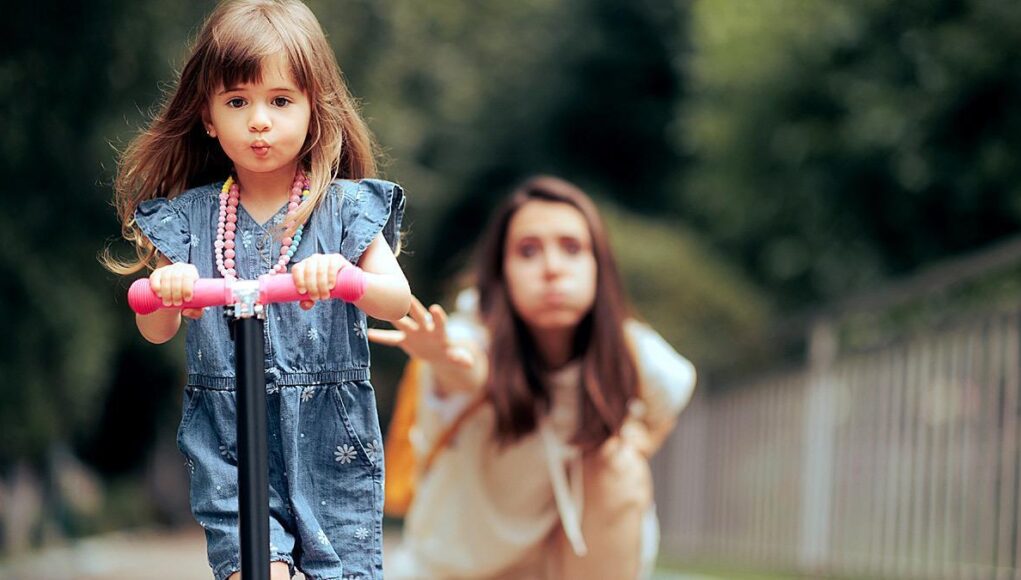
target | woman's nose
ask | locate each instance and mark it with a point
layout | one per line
(552, 262)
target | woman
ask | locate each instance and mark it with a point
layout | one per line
(539, 409)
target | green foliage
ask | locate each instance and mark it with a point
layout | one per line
(838, 143)
(763, 154)
(707, 310)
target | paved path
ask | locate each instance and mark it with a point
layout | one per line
(178, 555)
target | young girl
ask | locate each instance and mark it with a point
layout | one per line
(235, 178)
(539, 411)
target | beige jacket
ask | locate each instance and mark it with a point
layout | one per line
(537, 508)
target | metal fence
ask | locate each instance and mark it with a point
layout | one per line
(900, 462)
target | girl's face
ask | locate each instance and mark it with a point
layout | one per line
(549, 265)
(262, 126)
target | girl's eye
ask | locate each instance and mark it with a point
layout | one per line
(236, 103)
(281, 101)
(571, 246)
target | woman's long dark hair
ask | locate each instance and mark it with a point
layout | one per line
(516, 387)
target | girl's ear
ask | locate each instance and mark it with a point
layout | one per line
(207, 122)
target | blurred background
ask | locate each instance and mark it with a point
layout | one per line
(817, 201)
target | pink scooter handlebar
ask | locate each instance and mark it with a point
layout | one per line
(273, 288)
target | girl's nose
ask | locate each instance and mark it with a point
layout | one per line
(259, 121)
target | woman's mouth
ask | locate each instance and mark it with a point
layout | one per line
(260, 148)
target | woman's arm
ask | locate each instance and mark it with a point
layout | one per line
(667, 381)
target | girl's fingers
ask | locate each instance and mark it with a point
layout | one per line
(311, 279)
(186, 290)
(308, 278)
(298, 275)
(176, 287)
(386, 337)
(323, 280)
(193, 313)
(156, 282)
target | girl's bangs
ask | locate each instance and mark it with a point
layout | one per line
(238, 55)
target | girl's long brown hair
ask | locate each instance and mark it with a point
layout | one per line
(516, 387)
(174, 153)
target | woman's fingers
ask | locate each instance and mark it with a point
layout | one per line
(406, 324)
(439, 317)
(460, 356)
(386, 337)
(193, 313)
(421, 315)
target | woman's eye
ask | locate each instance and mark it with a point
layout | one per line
(236, 103)
(528, 250)
(281, 101)
(571, 246)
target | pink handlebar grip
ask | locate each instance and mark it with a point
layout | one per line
(273, 288)
(350, 287)
(207, 292)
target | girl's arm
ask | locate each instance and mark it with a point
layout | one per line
(457, 366)
(387, 295)
(174, 284)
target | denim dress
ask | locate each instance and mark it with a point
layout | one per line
(325, 445)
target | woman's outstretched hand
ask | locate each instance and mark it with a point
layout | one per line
(423, 335)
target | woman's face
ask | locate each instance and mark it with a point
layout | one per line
(549, 265)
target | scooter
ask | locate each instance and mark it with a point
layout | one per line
(245, 303)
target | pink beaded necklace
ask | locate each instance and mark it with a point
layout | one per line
(230, 197)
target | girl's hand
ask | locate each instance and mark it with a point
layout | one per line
(174, 285)
(316, 275)
(423, 335)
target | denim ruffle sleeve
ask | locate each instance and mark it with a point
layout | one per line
(371, 207)
(166, 227)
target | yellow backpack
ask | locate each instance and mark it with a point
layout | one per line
(402, 469)
(398, 454)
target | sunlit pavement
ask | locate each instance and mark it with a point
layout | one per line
(146, 556)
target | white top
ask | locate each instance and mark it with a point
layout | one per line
(483, 511)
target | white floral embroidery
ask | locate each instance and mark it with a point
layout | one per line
(372, 449)
(322, 538)
(199, 354)
(225, 451)
(194, 240)
(246, 239)
(359, 330)
(166, 219)
(307, 393)
(273, 389)
(312, 334)
(190, 465)
(345, 453)
(362, 533)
